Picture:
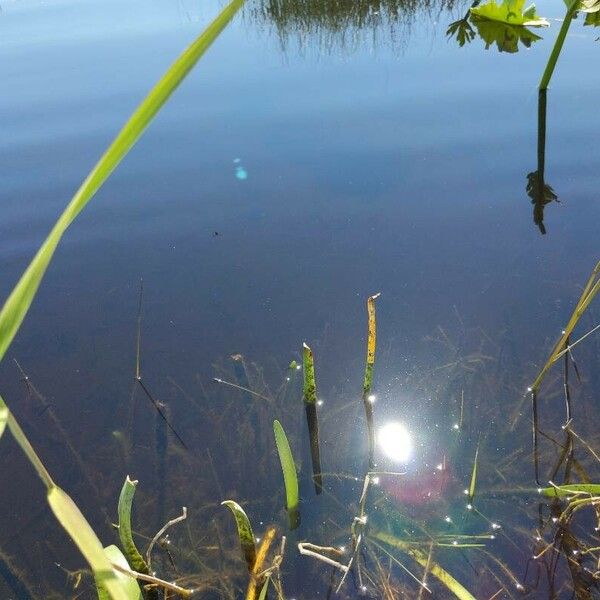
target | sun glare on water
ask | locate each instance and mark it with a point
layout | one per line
(395, 442)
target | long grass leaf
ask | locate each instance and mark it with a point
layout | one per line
(16, 306)
(134, 557)
(422, 558)
(572, 489)
(290, 477)
(129, 584)
(75, 524)
(67, 514)
(592, 287)
(245, 533)
(265, 589)
(25, 445)
(473, 483)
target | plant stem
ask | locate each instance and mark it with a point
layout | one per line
(558, 44)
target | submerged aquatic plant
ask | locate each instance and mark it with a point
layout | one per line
(245, 533)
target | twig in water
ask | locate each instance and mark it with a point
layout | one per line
(155, 580)
(308, 549)
(160, 532)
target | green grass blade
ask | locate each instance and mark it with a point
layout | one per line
(26, 447)
(67, 514)
(561, 491)
(75, 524)
(592, 287)
(422, 558)
(133, 555)
(265, 589)
(290, 477)
(20, 299)
(245, 533)
(115, 556)
(473, 483)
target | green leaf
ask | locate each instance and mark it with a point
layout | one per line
(506, 37)
(473, 483)
(590, 7)
(245, 533)
(135, 559)
(265, 589)
(290, 477)
(16, 306)
(592, 19)
(129, 584)
(75, 524)
(561, 491)
(512, 12)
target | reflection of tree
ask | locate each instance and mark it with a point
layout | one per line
(537, 189)
(341, 23)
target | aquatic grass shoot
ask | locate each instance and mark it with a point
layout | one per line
(368, 378)
(290, 477)
(245, 533)
(310, 406)
(473, 483)
(133, 555)
(131, 586)
(561, 347)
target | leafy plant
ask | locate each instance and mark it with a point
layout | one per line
(505, 37)
(133, 555)
(512, 12)
(290, 477)
(245, 533)
(69, 516)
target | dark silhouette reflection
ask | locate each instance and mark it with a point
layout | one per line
(537, 189)
(344, 24)
(506, 37)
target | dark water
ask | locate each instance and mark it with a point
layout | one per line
(314, 156)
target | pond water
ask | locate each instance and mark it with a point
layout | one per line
(319, 152)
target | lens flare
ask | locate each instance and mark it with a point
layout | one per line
(395, 442)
